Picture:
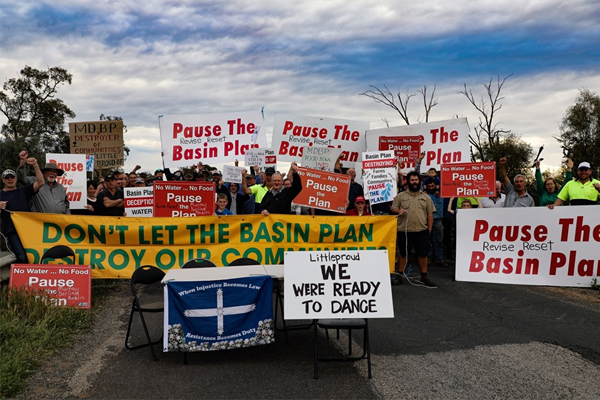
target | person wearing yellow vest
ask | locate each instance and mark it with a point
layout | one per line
(585, 190)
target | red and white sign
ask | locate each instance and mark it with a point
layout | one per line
(63, 285)
(139, 201)
(323, 190)
(210, 138)
(529, 246)
(184, 199)
(74, 179)
(406, 148)
(444, 142)
(293, 132)
(468, 180)
(261, 157)
(379, 176)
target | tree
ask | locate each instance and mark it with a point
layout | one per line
(580, 130)
(487, 134)
(385, 97)
(35, 117)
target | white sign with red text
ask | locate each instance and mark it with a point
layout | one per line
(139, 201)
(74, 178)
(468, 179)
(444, 142)
(529, 246)
(261, 157)
(379, 176)
(293, 132)
(209, 138)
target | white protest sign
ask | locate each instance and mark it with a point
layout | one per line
(260, 157)
(291, 133)
(321, 158)
(139, 201)
(529, 245)
(232, 174)
(379, 176)
(188, 139)
(444, 142)
(74, 179)
(337, 284)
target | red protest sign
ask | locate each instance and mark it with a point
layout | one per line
(62, 285)
(405, 148)
(184, 199)
(323, 190)
(468, 179)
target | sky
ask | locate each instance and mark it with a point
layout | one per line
(141, 59)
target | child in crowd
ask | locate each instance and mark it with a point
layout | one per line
(466, 204)
(361, 207)
(222, 205)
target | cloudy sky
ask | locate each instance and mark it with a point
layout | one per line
(141, 59)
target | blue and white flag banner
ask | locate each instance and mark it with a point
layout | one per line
(218, 315)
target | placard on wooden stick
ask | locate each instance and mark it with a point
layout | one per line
(337, 284)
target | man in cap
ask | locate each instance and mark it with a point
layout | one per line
(259, 191)
(139, 182)
(111, 198)
(13, 198)
(582, 191)
(52, 196)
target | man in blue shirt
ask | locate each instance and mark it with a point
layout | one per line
(436, 253)
(13, 198)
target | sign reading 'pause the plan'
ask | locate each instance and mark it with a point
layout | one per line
(337, 284)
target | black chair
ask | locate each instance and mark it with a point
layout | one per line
(144, 275)
(199, 263)
(58, 252)
(243, 261)
(350, 324)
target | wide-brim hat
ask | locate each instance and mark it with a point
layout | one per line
(52, 166)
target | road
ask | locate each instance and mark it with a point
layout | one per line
(459, 341)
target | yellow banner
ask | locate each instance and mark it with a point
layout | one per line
(116, 246)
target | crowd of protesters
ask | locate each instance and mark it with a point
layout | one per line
(429, 226)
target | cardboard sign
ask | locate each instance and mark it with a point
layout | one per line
(210, 138)
(337, 284)
(406, 148)
(63, 285)
(74, 179)
(321, 158)
(323, 190)
(291, 133)
(379, 176)
(103, 139)
(444, 142)
(232, 174)
(260, 157)
(528, 246)
(468, 180)
(184, 199)
(139, 201)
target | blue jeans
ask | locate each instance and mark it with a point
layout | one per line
(14, 244)
(436, 252)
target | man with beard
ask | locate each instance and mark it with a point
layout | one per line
(52, 196)
(582, 191)
(415, 221)
(13, 198)
(516, 194)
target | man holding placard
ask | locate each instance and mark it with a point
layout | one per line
(415, 221)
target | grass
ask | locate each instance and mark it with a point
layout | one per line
(31, 331)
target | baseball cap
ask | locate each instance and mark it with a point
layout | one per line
(8, 172)
(158, 170)
(359, 199)
(269, 171)
(584, 164)
(109, 177)
(216, 172)
(140, 180)
(250, 176)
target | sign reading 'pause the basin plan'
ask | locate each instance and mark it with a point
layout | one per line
(337, 284)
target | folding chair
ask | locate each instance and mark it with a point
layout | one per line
(243, 261)
(350, 324)
(144, 275)
(199, 263)
(58, 252)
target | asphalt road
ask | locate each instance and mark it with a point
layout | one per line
(459, 341)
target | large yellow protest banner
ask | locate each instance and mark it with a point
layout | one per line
(116, 246)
